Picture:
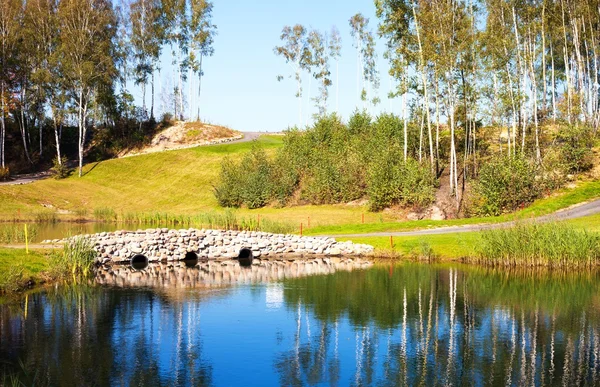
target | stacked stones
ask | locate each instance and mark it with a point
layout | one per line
(164, 244)
(219, 273)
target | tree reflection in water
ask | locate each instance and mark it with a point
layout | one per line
(381, 326)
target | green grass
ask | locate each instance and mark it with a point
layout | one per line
(17, 267)
(556, 245)
(444, 246)
(178, 182)
(564, 198)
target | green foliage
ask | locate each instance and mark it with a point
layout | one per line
(61, 171)
(46, 217)
(105, 214)
(247, 182)
(16, 233)
(392, 181)
(575, 144)
(331, 163)
(534, 244)
(505, 184)
(12, 279)
(4, 173)
(75, 262)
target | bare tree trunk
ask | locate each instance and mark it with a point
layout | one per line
(199, 87)
(2, 129)
(57, 139)
(424, 80)
(152, 102)
(553, 84)
(405, 120)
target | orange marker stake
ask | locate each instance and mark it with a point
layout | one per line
(309, 222)
(363, 218)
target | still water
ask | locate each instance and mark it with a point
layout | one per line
(314, 323)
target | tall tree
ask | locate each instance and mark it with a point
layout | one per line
(364, 42)
(87, 30)
(319, 59)
(335, 52)
(202, 32)
(297, 55)
(10, 27)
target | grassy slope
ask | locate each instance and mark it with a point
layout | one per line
(567, 197)
(177, 182)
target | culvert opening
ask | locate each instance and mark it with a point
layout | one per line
(245, 257)
(190, 259)
(139, 262)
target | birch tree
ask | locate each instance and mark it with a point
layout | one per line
(87, 29)
(297, 55)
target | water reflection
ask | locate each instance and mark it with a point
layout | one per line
(398, 325)
(220, 273)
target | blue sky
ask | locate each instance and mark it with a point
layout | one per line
(240, 88)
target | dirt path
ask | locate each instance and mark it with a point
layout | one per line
(574, 212)
(26, 178)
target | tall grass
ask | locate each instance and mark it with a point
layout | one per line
(46, 217)
(75, 262)
(12, 279)
(554, 245)
(105, 214)
(16, 233)
(227, 220)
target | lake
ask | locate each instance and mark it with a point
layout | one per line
(316, 323)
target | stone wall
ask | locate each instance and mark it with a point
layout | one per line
(164, 244)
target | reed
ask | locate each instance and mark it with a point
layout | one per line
(46, 217)
(554, 245)
(105, 214)
(226, 220)
(75, 262)
(16, 233)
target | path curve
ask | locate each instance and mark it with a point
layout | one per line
(577, 211)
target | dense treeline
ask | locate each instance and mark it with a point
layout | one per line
(66, 66)
(335, 162)
(503, 96)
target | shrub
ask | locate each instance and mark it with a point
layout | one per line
(4, 173)
(248, 182)
(575, 144)
(393, 181)
(505, 183)
(229, 191)
(256, 184)
(60, 170)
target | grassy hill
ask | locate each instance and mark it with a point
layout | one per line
(174, 182)
(179, 182)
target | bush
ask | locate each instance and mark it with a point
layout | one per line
(4, 173)
(505, 184)
(393, 181)
(575, 144)
(248, 182)
(60, 170)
